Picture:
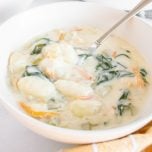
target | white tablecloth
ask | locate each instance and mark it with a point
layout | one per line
(16, 138)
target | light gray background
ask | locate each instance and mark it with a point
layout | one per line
(13, 136)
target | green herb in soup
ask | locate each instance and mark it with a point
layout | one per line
(124, 103)
(40, 44)
(85, 56)
(109, 69)
(144, 74)
(62, 84)
(33, 70)
(125, 55)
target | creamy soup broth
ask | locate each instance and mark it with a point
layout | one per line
(59, 82)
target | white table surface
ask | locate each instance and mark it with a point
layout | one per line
(16, 138)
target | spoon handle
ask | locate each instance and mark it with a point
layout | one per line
(133, 12)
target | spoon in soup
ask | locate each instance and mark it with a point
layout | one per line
(133, 12)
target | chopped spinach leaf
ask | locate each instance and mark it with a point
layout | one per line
(113, 74)
(128, 51)
(33, 70)
(144, 73)
(55, 121)
(55, 104)
(106, 76)
(84, 56)
(124, 96)
(124, 73)
(107, 70)
(38, 47)
(79, 48)
(45, 39)
(123, 55)
(52, 104)
(37, 61)
(122, 108)
(103, 58)
(123, 104)
(105, 63)
(121, 65)
(105, 123)
(52, 99)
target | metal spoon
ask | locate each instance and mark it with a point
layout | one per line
(146, 14)
(133, 12)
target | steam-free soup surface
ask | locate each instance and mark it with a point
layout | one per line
(60, 83)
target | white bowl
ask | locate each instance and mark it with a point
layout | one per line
(22, 27)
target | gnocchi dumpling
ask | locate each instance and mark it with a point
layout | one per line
(58, 69)
(17, 62)
(73, 89)
(83, 108)
(57, 34)
(36, 87)
(62, 50)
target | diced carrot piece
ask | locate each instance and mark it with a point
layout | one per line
(77, 29)
(86, 97)
(84, 73)
(51, 74)
(35, 113)
(114, 53)
(139, 81)
(61, 37)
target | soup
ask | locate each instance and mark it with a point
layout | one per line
(58, 81)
